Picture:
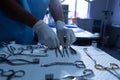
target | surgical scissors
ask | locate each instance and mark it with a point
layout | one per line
(87, 74)
(113, 66)
(12, 74)
(78, 64)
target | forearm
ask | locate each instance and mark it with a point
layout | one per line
(17, 12)
(56, 10)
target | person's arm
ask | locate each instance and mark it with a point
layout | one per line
(56, 10)
(45, 34)
(57, 13)
(13, 9)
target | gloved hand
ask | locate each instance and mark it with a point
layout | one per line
(46, 35)
(63, 33)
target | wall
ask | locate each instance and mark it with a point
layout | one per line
(116, 20)
(98, 6)
(96, 9)
(116, 12)
(96, 13)
(85, 24)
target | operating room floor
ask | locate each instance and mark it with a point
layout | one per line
(115, 52)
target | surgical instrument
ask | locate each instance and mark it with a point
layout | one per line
(64, 48)
(62, 51)
(78, 64)
(58, 50)
(12, 49)
(16, 62)
(113, 66)
(72, 51)
(87, 74)
(8, 48)
(49, 76)
(100, 67)
(68, 49)
(32, 55)
(21, 54)
(12, 74)
(2, 55)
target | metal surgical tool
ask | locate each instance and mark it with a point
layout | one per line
(87, 74)
(68, 49)
(72, 51)
(10, 49)
(16, 62)
(49, 76)
(64, 48)
(78, 64)
(58, 50)
(12, 74)
(112, 67)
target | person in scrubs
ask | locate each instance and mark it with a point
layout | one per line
(20, 20)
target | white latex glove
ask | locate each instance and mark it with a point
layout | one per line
(65, 32)
(46, 35)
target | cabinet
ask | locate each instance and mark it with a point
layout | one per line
(91, 25)
(65, 13)
(114, 36)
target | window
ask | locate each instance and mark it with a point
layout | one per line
(81, 8)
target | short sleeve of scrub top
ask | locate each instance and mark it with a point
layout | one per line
(12, 30)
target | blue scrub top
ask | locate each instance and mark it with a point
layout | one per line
(11, 30)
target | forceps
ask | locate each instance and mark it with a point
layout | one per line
(67, 49)
(87, 74)
(12, 49)
(64, 48)
(12, 74)
(58, 50)
(15, 62)
(113, 66)
(78, 64)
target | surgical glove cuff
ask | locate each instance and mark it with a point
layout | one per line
(38, 25)
(60, 25)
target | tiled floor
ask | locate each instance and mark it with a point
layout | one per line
(115, 52)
